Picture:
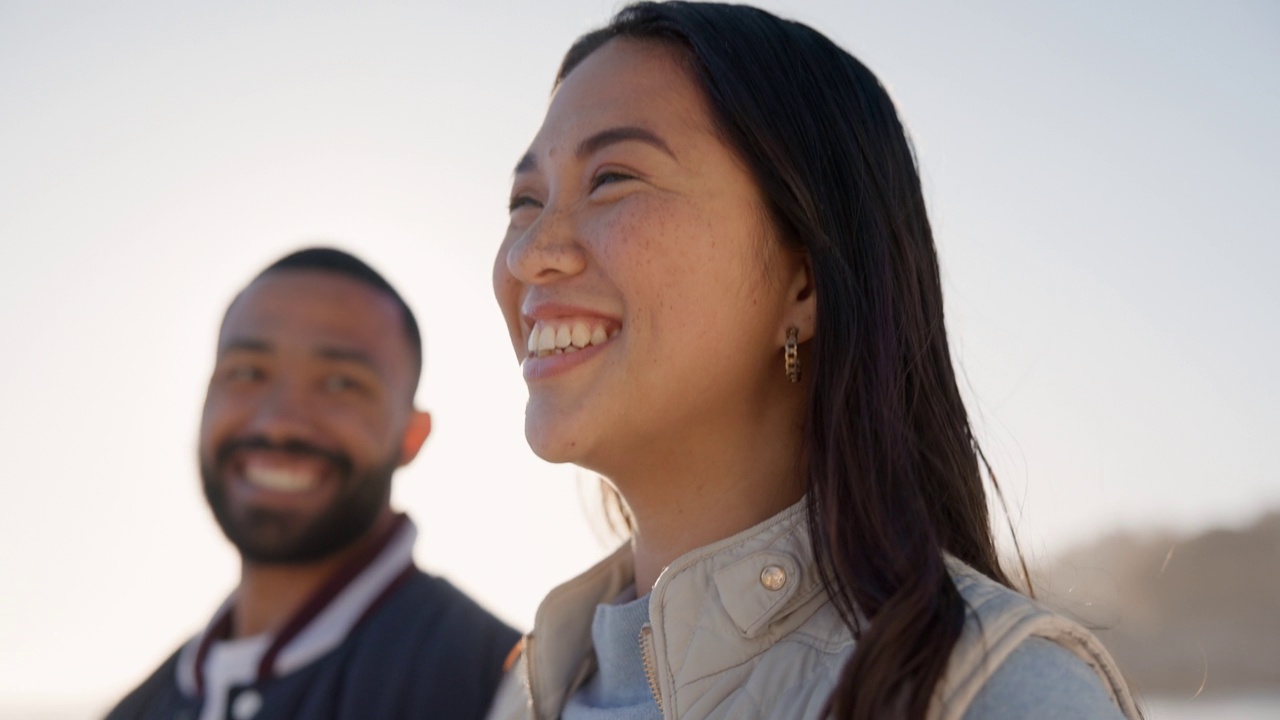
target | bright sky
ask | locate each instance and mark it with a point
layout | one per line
(1102, 179)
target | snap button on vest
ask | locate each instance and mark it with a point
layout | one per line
(773, 577)
(756, 588)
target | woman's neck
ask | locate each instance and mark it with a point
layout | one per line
(706, 487)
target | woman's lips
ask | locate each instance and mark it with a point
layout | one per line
(540, 366)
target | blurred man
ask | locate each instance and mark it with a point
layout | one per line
(308, 415)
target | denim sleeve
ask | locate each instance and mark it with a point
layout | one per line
(1042, 679)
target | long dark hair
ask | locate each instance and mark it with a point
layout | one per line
(893, 470)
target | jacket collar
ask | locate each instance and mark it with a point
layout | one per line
(323, 621)
(711, 609)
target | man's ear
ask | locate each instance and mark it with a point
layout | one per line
(414, 436)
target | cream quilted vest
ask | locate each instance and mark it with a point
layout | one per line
(743, 629)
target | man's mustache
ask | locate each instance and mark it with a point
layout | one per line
(299, 448)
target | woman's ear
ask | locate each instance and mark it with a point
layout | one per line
(802, 300)
(414, 436)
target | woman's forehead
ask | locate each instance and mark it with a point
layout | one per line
(625, 83)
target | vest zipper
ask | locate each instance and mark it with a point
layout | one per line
(528, 672)
(650, 663)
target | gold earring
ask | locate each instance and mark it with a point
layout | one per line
(791, 354)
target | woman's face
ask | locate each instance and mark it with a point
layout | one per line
(643, 287)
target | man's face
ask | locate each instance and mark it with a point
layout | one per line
(308, 414)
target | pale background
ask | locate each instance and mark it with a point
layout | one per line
(1102, 178)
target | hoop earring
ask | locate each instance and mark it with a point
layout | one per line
(791, 354)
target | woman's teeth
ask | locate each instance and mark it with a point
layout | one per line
(556, 337)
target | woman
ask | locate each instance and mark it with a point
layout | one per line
(722, 284)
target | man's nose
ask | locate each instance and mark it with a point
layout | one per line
(285, 414)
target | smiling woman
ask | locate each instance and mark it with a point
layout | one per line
(722, 285)
(603, 217)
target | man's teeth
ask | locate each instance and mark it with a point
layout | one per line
(555, 337)
(280, 479)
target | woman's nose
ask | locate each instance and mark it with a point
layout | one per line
(547, 250)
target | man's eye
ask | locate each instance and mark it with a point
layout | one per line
(340, 383)
(244, 373)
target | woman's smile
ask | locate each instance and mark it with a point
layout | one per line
(559, 344)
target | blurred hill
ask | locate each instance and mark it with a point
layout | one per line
(1180, 612)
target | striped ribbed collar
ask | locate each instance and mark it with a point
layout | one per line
(323, 621)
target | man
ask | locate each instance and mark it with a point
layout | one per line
(309, 413)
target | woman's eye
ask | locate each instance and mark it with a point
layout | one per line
(609, 177)
(520, 201)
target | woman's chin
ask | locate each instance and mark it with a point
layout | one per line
(555, 445)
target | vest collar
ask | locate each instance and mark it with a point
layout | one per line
(713, 608)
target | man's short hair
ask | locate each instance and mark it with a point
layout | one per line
(337, 261)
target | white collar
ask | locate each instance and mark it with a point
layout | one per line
(323, 621)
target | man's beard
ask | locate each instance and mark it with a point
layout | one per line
(272, 537)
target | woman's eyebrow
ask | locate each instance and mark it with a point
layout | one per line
(603, 139)
(611, 136)
(526, 164)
